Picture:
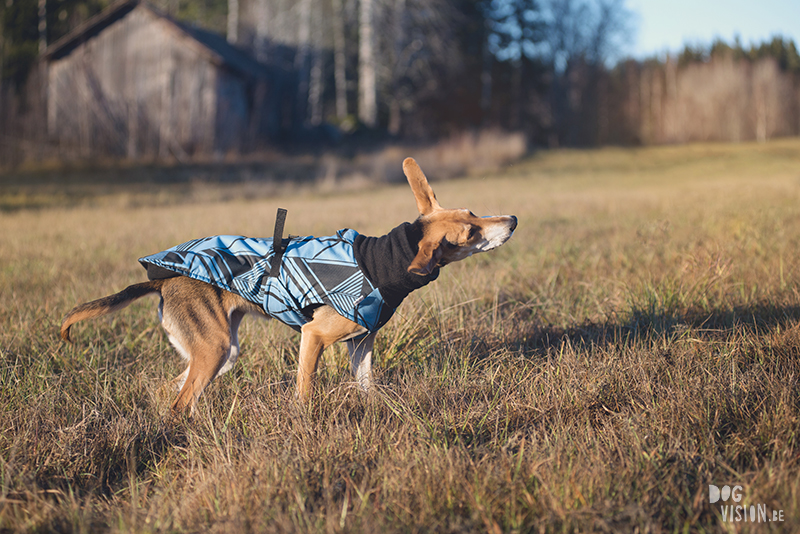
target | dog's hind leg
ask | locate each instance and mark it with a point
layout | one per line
(235, 320)
(361, 360)
(177, 382)
(207, 355)
(200, 330)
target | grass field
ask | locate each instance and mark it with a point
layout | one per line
(636, 341)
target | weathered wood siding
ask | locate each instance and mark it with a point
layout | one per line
(142, 87)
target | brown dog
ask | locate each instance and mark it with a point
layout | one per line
(202, 315)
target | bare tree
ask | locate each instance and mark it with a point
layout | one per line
(769, 92)
(417, 51)
(233, 21)
(402, 48)
(42, 26)
(339, 59)
(487, 61)
(301, 57)
(315, 83)
(580, 38)
(515, 31)
(261, 11)
(367, 88)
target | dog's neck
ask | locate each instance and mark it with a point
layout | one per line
(385, 262)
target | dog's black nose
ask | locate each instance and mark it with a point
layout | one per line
(514, 223)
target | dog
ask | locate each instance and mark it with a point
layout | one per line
(337, 288)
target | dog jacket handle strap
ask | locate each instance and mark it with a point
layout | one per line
(277, 243)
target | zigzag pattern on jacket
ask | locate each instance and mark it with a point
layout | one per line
(314, 271)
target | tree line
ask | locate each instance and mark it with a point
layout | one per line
(553, 69)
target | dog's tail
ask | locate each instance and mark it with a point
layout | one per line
(108, 304)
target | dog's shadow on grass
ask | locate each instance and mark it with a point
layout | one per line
(643, 326)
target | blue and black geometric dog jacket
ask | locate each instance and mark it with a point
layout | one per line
(363, 278)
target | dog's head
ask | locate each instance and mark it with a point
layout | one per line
(450, 235)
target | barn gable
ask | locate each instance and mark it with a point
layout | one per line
(133, 82)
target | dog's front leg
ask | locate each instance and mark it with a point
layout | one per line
(326, 328)
(361, 360)
(311, 347)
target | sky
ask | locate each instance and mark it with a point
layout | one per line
(667, 25)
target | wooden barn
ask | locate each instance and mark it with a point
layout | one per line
(135, 83)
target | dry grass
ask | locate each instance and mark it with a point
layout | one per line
(636, 341)
(262, 175)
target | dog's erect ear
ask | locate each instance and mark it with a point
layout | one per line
(428, 256)
(426, 200)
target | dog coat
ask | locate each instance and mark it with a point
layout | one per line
(363, 278)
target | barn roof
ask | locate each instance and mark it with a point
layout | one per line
(211, 45)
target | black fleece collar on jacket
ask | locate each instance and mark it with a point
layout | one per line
(385, 260)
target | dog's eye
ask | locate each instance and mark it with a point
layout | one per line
(473, 232)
